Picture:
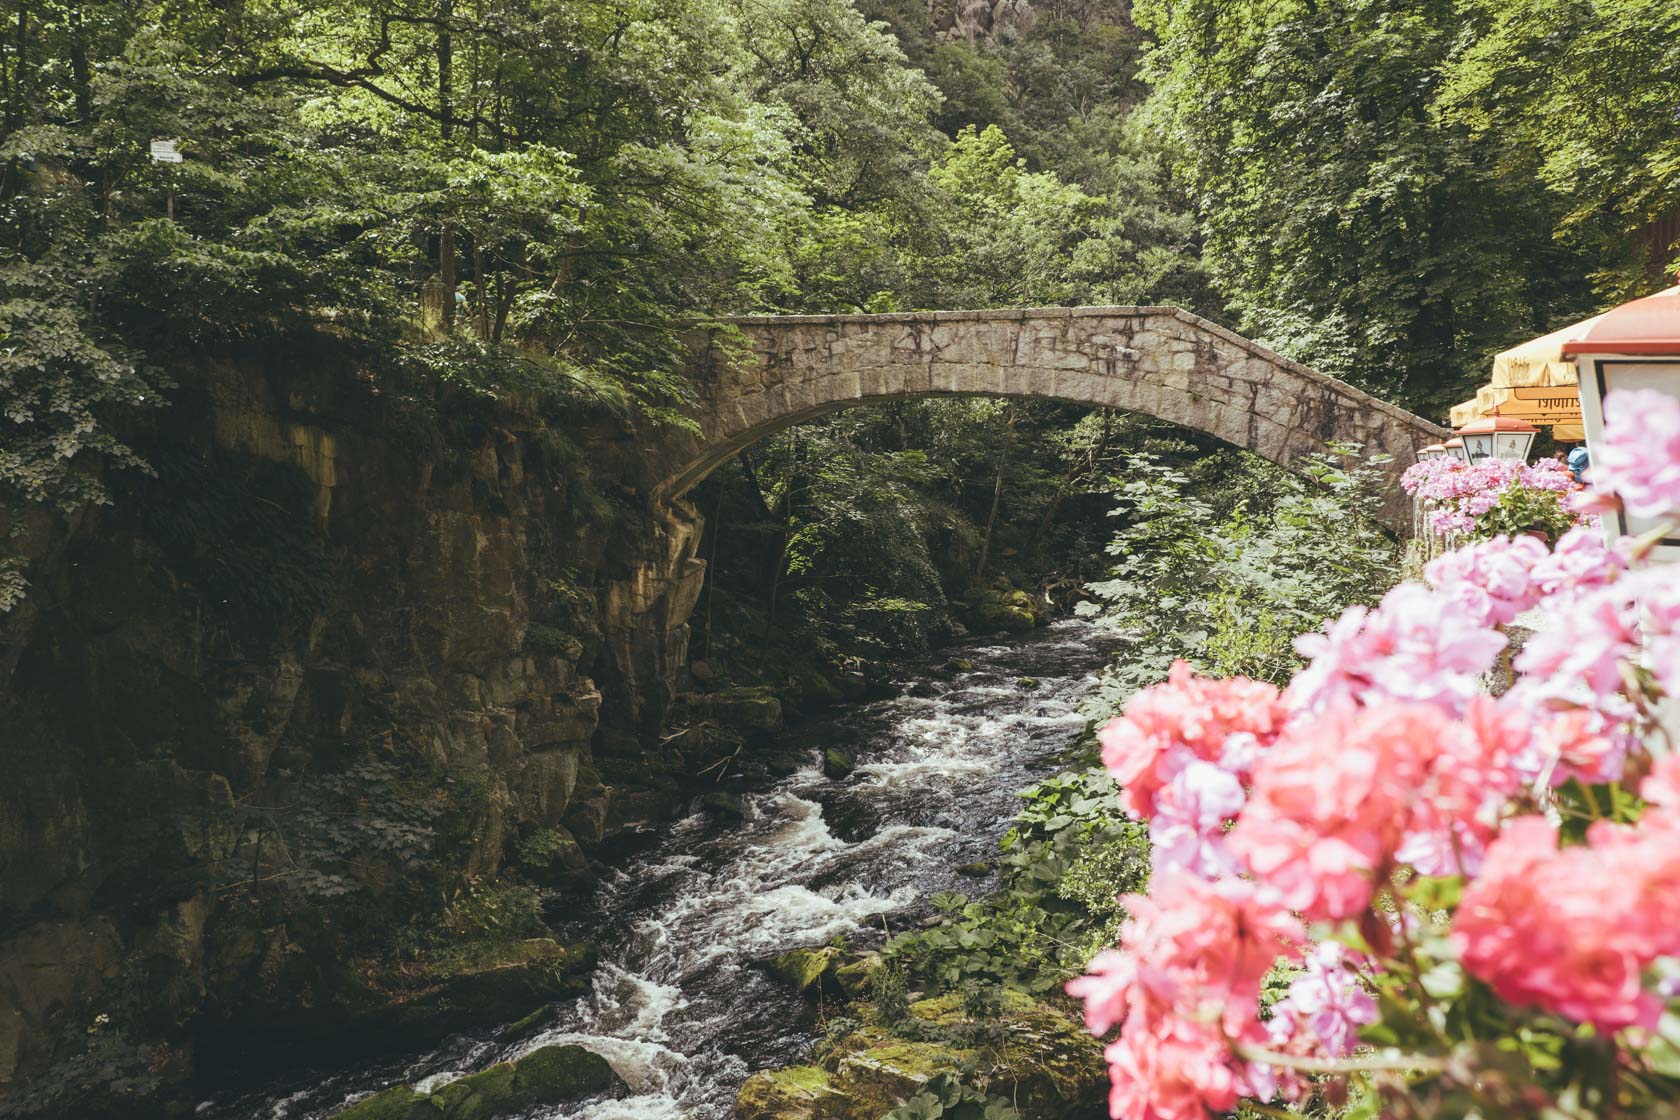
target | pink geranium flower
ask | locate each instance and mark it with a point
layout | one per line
(1572, 930)
(1186, 718)
(1418, 645)
(1639, 460)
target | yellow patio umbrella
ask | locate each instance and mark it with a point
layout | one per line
(1521, 377)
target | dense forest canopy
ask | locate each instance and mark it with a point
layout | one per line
(527, 194)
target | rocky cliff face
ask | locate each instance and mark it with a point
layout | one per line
(337, 659)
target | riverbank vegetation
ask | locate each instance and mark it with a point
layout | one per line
(467, 238)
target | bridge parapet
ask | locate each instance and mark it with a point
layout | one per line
(1161, 361)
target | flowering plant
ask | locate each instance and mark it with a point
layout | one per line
(1493, 495)
(1383, 889)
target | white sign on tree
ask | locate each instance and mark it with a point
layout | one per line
(163, 151)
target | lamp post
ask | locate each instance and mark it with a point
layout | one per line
(1455, 448)
(1634, 346)
(1497, 437)
(1432, 451)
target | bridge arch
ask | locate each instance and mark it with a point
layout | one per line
(1160, 361)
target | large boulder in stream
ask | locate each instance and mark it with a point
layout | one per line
(1001, 607)
(795, 1093)
(1034, 1053)
(549, 1075)
(805, 968)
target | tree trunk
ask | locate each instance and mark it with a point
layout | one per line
(997, 492)
(446, 129)
(79, 75)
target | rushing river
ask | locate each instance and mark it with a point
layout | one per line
(683, 1006)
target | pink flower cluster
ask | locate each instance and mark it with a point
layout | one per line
(1572, 930)
(1182, 753)
(1185, 989)
(1385, 755)
(1461, 492)
(1639, 461)
(1418, 645)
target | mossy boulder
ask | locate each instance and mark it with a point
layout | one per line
(480, 1096)
(795, 1093)
(806, 968)
(837, 763)
(878, 1071)
(1051, 1065)
(546, 1076)
(553, 1074)
(855, 976)
(400, 1102)
(721, 803)
(1006, 608)
(457, 993)
(1033, 1053)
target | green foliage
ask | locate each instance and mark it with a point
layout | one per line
(1071, 853)
(1350, 222)
(1602, 141)
(1224, 561)
(1525, 509)
(946, 1098)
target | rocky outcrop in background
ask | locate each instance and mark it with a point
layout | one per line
(279, 708)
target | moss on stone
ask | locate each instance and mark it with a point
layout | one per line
(400, 1102)
(553, 1074)
(794, 1093)
(805, 968)
(480, 1096)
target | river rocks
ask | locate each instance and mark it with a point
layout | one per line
(795, 1093)
(837, 763)
(1033, 1053)
(400, 1102)
(805, 968)
(1001, 607)
(722, 804)
(855, 976)
(546, 1076)
(496, 988)
(561, 1073)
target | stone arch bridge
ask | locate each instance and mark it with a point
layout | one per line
(1160, 361)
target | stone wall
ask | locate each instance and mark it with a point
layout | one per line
(1155, 360)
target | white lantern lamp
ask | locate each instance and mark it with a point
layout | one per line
(1497, 437)
(1455, 449)
(1634, 346)
(1432, 451)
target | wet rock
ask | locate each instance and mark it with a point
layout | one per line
(977, 870)
(546, 1076)
(705, 674)
(795, 1093)
(1026, 684)
(553, 1074)
(1001, 607)
(855, 976)
(782, 764)
(530, 1026)
(480, 1096)
(495, 989)
(721, 804)
(806, 968)
(400, 1102)
(959, 665)
(925, 690)
(837, 763)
